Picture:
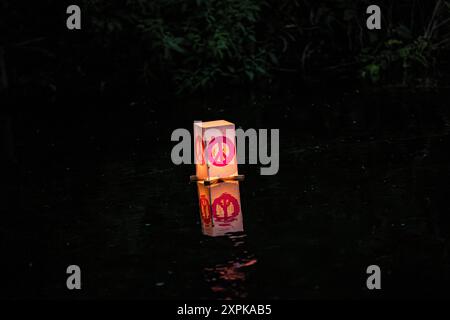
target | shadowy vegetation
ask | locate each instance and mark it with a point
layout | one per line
(202, 43)
(190, 45)
(410, 48)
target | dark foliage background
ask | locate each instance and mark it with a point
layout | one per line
(186, 46)
(193, 45)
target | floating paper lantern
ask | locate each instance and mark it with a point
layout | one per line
(217, 177)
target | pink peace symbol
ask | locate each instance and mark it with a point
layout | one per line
(221, 159)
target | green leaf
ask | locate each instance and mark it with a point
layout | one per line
(273, 58)
(173, 43)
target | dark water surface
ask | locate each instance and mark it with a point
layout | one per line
(363, 179)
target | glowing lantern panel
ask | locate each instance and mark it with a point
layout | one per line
(215, 149)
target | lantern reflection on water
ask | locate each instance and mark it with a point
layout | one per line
(220, 208)
(216, 168)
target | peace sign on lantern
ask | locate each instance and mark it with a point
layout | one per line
(220, 151)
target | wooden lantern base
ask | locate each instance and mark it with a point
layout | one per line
(208, 182)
